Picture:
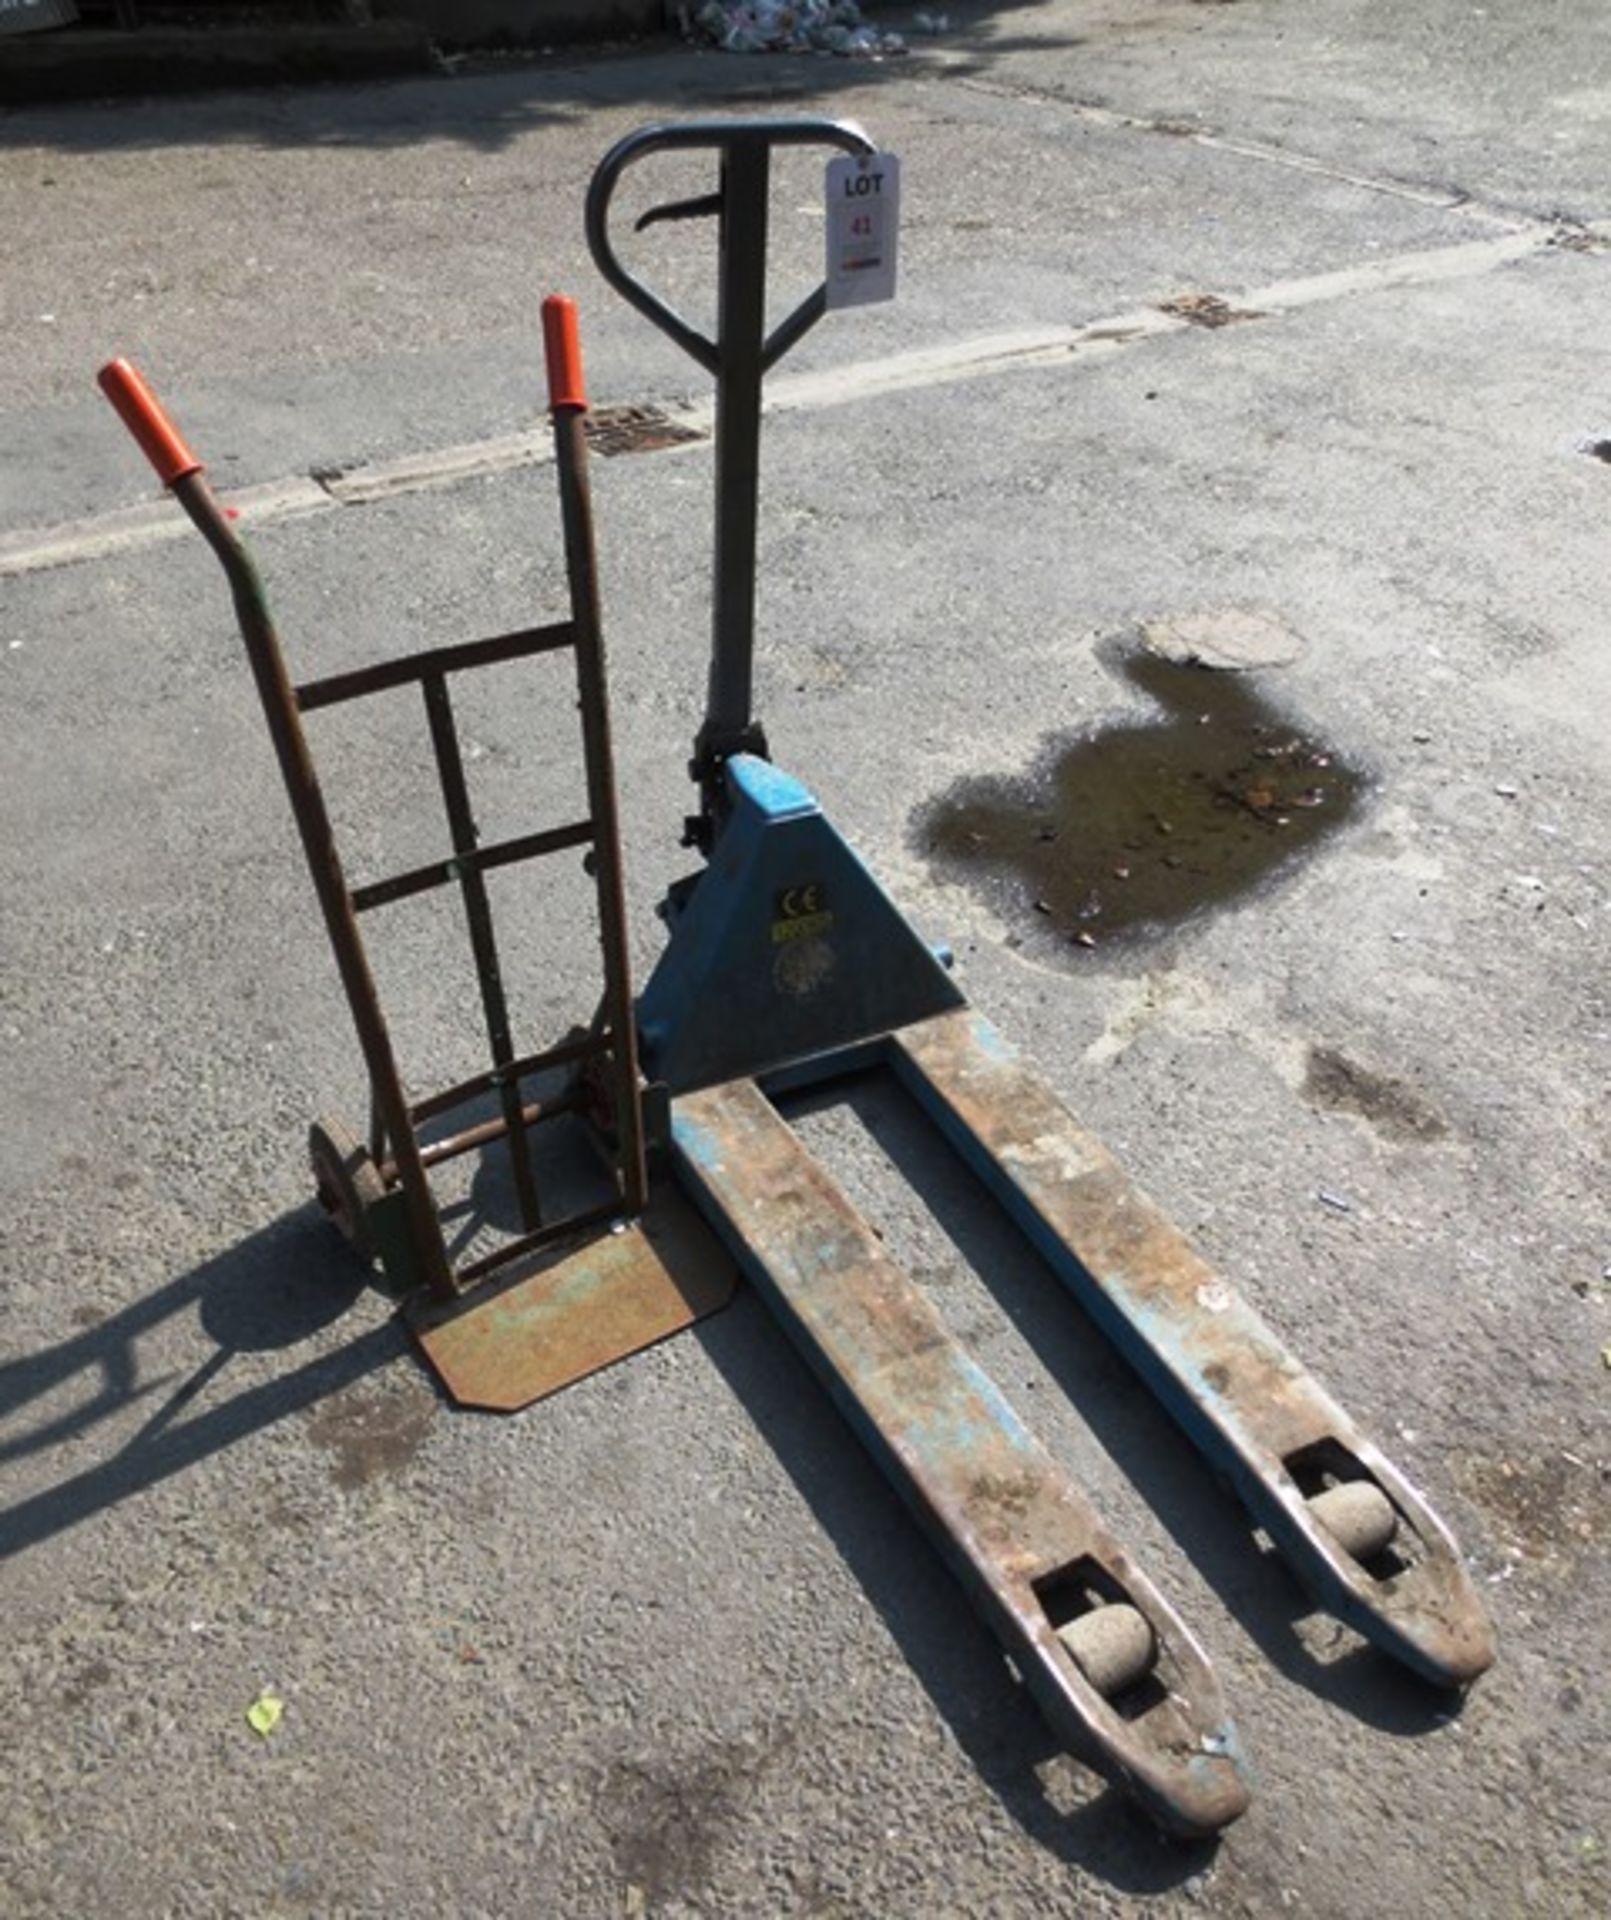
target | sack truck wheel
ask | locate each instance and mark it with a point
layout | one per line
(347, 1181)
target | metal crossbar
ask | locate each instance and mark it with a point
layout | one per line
(384, 674)
(467, 866)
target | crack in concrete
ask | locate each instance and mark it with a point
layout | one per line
(1443, 198)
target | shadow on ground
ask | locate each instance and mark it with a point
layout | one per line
(274, 1292)
(279, 1290)
(287, 1285)
(1060, 1805)
(491, 104)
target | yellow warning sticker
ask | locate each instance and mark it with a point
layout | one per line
(802, 911)
(800, 929)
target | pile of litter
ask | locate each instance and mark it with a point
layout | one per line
(787, 26)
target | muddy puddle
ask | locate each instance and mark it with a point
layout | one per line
(1146, 823)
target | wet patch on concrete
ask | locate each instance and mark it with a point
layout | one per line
(1144, 825)
(87, 1680)
(1394, 1109)
(1548, 1509)
(666, 1822)
(372, 1432)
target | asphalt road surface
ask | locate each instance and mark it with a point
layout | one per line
(666, 1644)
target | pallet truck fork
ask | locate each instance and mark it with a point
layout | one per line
(787, 967)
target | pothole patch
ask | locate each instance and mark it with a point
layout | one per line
(1206, 310)
(1233, 639)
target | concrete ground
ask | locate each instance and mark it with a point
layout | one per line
(666, 1644)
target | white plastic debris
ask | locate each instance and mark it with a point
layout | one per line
(789, 26)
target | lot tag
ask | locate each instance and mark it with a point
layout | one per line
(864, 205)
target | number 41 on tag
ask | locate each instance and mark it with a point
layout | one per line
(864, 204)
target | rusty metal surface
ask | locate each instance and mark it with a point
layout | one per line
(537, 1239)
(569, 1052)
(637, 429)
(408, 668)
(593, 700)
(581, 1308)
(267, 660)
(477, 906)
(1014, 1526)
(420, 1254)
(481, 859)
(1218, 1367)
(435, 1152)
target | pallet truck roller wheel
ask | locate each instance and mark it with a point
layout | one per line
(347, 1181)
(1112, 1646)
(1358, 1516)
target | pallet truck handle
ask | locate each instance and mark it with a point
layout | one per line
(738, 359)
(727, 136)
(141, 412)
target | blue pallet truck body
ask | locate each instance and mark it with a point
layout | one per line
(789, 966)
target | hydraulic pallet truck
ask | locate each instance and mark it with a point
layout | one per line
(786, 967)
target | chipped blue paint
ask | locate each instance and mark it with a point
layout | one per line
(991, 1499)
(778, 794)
(993, 1044)
(1245, 1402)
(1157, 1343)
(699, 1144)
(975, 1412)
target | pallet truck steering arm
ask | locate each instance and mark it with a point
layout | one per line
(739, 358)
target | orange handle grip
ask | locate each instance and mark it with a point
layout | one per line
(562, 347)
(141, 412)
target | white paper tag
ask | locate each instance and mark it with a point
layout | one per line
(864, 206)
